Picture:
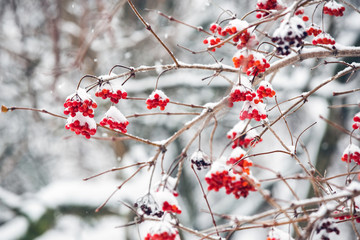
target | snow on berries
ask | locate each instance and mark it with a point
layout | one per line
(237, 155)
(356, 119)
(167, 201)
(326, 227)
(351, 153)
(211, 41)
(250, 110)
(241, 93)
(277, 234)
(313, 30)
(200, 160)
(81, 102)
(115, 120)
(147, 205)
(268, 5)
(251, 63)
(265, 90)
(157, 99)
(162, 230)
(241, 137)
(234, 182)
(81, 124)
(214, 27)
(323, 38)
(165, 195)
(245, 39)
(347, 209)
(333, 8)
(114, 92)
(291, 32)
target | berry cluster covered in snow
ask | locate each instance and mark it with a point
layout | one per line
(81, 102)
(333, 8)
(115, 120)
(162, 230)
(113, 92)
(251, 63)
(80, 124)
(323, 38)
(200, 160)
(313, 30)
(241, 137)
(238, 182)
(157, 99)
(268, 5)
(277, 234)
(351, 153)
(290, 33)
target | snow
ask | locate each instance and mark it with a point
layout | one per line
(237, 152)
(82, 119)
(115, 114)
(14, 229)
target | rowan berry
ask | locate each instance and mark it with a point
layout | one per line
(157, 99)
(115, 119)
(333, 8)
(81, 124)
(81, 102)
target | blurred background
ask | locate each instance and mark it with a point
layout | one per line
(46, 46)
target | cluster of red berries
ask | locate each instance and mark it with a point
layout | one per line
(115, 93)
(211, 41)
(290, 33)
(115, 119)
(351, 153)
(251, 63)
(243, 165)
(254, 111)
(267, 5)
(357, 218)
(234, 182)
(324, 38)
(356, 119)
(265, 90)
(245, 39)
(301, 11)
(200, 159)
(313, 30)
(167, 207)
(79, 102)
(333, 8)
(214, 27)
(241, 138)
(81, 125)
(157, 99)
(241, 93)
(162, 231)
(165, 195)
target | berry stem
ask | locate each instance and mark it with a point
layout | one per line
(86, 76)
